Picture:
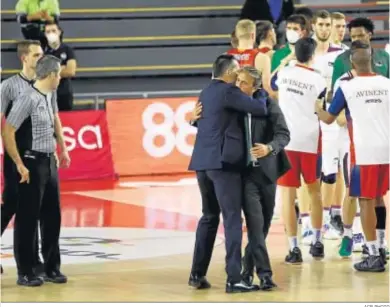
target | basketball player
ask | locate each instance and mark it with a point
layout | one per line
(247, 55)
(297, 26)
(365, 99)
(265, 37)
(338, 30)
(352, 236)
(299, 87)
(362, 29)
(332, 156)
(29, 52)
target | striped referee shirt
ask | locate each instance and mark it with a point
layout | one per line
(11, 89)
(33, 113)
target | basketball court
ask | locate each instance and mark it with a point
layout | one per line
(132, 240)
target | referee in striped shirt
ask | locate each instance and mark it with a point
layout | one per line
(34, 116)
(29, 52)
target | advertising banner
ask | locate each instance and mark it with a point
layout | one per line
(88, 142)
(151, 136)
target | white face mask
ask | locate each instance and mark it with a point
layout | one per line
(52, 38)
(292, 36)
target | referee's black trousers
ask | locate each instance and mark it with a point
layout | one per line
(38, 200)
(10, 198)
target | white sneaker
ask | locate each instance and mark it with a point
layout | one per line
(307, 237)
(358, 242)
(330, 233)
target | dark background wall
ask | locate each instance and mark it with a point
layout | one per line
(153, 45)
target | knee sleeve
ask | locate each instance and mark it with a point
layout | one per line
(380, 217)
(329, 179)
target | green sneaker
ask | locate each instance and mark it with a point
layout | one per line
(346, 247)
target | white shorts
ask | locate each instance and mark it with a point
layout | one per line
(333, 153)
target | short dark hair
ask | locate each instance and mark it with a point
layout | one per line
(298, 19)
(23, 47)
(223, 63)
(47, 65)
(52, 23)
(262, 29)
(362, 22)
(304, 49)
(323, 14)
(305, 11)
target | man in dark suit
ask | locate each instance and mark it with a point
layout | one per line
(218, 158)
(269, 136)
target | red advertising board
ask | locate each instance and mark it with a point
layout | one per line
(151, 136)
(88, 142)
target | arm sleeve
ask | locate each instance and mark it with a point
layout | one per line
(70, 53)
(21, 109)
(281, 133)
(5, 100)
(237, 100)
(338, 104)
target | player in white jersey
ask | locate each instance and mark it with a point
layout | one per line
(324, 58)
(352, 237)
(338, 30)
(365, 99)
(299, 87)
(321, 24)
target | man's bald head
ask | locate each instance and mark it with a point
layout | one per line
(361, 59)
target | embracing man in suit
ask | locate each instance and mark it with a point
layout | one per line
(218, 159)
(266, 162)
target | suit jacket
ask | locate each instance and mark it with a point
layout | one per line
(271, 130)
(260, 10)
(220, 141)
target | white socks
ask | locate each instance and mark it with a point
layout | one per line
(348, 232)
(317, 237)
(373, 248)
(293, 241)
(381, 237)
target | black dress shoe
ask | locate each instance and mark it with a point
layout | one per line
(55, 277)
(30, 280)
(198, 282)
(266, 283)
(240, 287)
(1, 267)
(247, 278)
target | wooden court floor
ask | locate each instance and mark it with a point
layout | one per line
(130, 241)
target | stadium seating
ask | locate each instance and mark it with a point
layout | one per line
(153, 37)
